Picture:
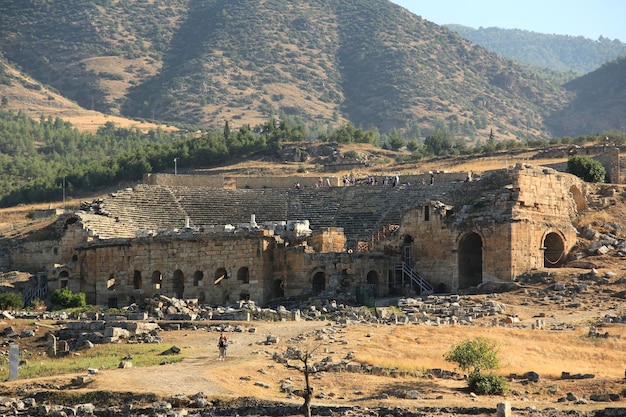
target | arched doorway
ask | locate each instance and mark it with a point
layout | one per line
(279, 288)
(470, 257)
(178, 284)
(553, 251)
(372, 281)
(318, 283)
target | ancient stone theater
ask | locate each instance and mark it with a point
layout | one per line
(189, 236)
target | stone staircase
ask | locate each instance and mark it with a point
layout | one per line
(145, 207)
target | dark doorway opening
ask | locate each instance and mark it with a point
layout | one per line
(554, 251)
(470, 257)
(318, 283)
(179, 283)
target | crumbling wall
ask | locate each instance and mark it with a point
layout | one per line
(495, 234)
(328, 239)
(213, 269)
(333, 274)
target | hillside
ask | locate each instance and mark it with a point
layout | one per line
(599, 102)
(324, 62)
(573, 54)
(21, 93)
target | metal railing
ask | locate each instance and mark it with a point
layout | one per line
(406, 271)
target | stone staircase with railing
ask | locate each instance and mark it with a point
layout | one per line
(416, 280)
(35, 293)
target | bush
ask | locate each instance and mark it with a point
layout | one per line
(474, 355)
(64, 298)
(586, 168)
(487, 384)
(11, 301)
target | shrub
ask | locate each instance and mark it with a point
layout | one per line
(487, 384)
(474, 355)
(64, 298)
(11, 301)
(586, 168)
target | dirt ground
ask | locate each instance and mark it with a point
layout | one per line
(250, 371)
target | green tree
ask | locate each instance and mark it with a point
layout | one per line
(439, 143)
(396, 141)
(11, 301)
(586, 168)
(412, 145)
(475, 355)
(64, 298)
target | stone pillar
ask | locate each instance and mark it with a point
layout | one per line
(504, 409)
(295, 315)
(14, 361)
(52, 345)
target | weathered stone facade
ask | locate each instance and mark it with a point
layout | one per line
(525, 224)
(205, 243)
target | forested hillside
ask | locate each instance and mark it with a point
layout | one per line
(599, 96)
(575, 54)
(201, 63)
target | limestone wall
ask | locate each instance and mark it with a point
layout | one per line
(178, 180)
(213, 269)
(331, 274)
(495, 234)
(34, 256)
(328, 239)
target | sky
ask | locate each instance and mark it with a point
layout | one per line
(588, 18)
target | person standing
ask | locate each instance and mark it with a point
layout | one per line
(222, 344)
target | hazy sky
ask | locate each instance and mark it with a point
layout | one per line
(588, 18)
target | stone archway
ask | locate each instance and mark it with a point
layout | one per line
(157, 280)
(220, 275)
(470, 260)
(372, 280)
(279, 288)
(553, 250)
(178, 284)
(198, 278)
(318, 283)
(137, 280)
(243, 275)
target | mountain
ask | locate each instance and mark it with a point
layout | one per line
(556, 52)
(326, 62)
(599, 103)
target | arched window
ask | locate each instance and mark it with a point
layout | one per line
(178, 283)
(137, 281)
(220, 275)
(243, 275)
(111, 283)
(157, 280)
(198, 276)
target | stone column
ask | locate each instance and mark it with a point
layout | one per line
(504, 409)
(14, 360)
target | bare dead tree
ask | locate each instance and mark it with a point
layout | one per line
(301, 359)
